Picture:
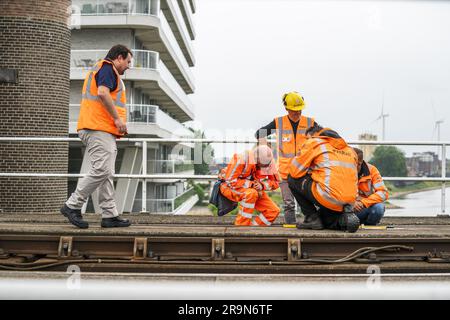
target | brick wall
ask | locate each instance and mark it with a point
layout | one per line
(35, 40)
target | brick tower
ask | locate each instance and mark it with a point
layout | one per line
(34, 102)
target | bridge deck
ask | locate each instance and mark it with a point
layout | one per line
(201, 226)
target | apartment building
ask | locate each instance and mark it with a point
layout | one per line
(160, 34)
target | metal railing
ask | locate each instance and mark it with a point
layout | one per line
(86, 59)
(144, 176)
(116, 7)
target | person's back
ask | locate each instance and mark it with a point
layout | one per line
(335, 173)
(332, 165)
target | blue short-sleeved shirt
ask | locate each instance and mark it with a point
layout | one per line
(106, 77)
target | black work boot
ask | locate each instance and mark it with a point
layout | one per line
(349, 222)
(312, 222)
(115, 222)
(289, 217)
(74, 216)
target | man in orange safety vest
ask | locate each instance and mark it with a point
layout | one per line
(323, 179)
(247, 179)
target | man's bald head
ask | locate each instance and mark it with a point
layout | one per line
(263, 155)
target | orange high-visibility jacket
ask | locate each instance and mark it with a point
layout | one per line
(371, 186)
(93, 114)
(288, 143)
(241, 172)
(332, 165)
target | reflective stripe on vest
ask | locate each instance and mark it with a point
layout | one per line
(289, 142)
(327, 193)
(334, 163)
(247, 205)
(245, 214)
(264, 220)
(88, 96)
(280, 139)
(298, 165)
(379, 185)
(382, 195)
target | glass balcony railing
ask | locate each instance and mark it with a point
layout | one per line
(86, 59)
(144, 114)
(115, 7)
(169, 166)
(169, 205)
(140, 113)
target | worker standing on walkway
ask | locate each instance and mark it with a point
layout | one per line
(102, 120)
(323, 179)
(369, 206)
(246, 179)
(290, 132)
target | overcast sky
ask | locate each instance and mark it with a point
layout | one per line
(342, 56)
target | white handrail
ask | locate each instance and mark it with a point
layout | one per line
(144, 176)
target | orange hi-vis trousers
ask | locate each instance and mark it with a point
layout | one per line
(249, 200)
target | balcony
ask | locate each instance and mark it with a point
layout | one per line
(86, 59)
(173, 13)
(142, 120)
(179, 205)
(187, 15)
(193, 5)
(148, 73)
(150, 26)
(117, 7)
(170, 166)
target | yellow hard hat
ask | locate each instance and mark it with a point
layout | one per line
(293, 101)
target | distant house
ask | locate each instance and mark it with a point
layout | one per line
(367, 149)
(424, 164)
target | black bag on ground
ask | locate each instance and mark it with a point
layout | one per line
(223, 204)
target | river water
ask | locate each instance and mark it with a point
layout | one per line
(426, 203)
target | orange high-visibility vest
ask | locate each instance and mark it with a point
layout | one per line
(333, 168)
(93, 114)
(371, 187)
(241, 172)
(288, 143)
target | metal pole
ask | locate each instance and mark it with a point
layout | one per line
(443, 175)
(144, 172)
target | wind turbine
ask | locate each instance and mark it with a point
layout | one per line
(383, 116)
(437, 123)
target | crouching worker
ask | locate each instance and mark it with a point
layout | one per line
(323, 180)
(369, 206)
(246, 180)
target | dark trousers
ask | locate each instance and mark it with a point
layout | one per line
(301, 189)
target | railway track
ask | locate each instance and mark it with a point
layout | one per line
(223, 255)
(167, 245)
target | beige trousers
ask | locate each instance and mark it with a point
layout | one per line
(102, 151)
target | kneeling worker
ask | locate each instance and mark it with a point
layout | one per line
(369, 206)
(246, 178)
(323, 180)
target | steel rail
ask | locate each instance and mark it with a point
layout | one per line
(236, 250)
(228, 255)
